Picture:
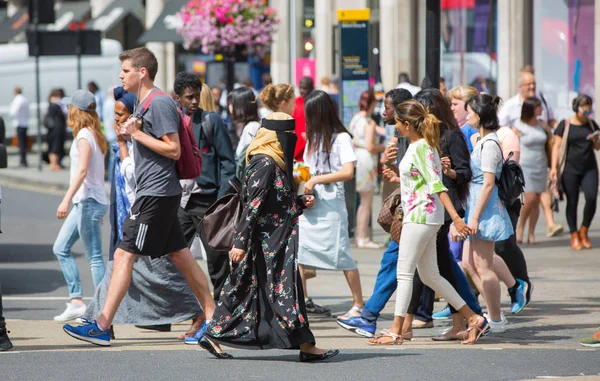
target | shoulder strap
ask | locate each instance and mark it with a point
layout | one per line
(544, 100)
(147, 102)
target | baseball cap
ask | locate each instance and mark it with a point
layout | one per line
(81, 99)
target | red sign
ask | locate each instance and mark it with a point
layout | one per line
(305, 67)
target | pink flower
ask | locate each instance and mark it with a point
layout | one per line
(217, 329)
(414, 172)
(255, 203)
(279, 183)
(301, 318)
(228, 318)
(279, 288)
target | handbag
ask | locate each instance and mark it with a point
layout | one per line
(562, 158)
(221, 220)
(391, 215)
(3, 156)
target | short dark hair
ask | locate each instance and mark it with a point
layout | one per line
(186, 80)
(141, 57)
(244, 105)
(306, 82)
(528, 108)
(398, 96)
(486, 106)
(93, 85)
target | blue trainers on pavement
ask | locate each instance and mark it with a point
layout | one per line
(89, 332)
(359, 325)
(519, 298)
(193, 340)
(443, 314)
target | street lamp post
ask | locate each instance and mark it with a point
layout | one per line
(432, 43)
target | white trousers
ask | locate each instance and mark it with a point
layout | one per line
(418, 251)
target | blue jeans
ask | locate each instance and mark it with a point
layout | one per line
(385, 284)
(85, 222)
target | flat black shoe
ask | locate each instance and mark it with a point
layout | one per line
(5, 343)
(158, 327)
(206, 344)
(308, 357)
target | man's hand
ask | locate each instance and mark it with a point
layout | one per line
(131, 126)
(236, 255)
(390, 176)
(391, 153)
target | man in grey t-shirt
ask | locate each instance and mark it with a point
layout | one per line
(154, 173)
(152, 227)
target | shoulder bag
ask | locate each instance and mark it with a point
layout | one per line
(562, 158)
(221, 220)
(391, 215)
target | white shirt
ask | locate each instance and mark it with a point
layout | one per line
(93, 184)
(407, 86)
(128, 173)
(510, 112)
(19, 110)
(342, 152)
(248, 133)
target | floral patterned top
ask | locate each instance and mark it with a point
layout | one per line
(420, 183)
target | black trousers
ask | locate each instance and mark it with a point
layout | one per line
(445, 267)
(218, 261)
(510, 251)
(588, 183)
(22, 138)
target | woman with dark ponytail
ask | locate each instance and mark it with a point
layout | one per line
(424, 198)
(486, 214)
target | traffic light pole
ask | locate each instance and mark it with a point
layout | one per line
(432, 43)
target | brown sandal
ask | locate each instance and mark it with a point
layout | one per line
(396, 339)
(474, 332)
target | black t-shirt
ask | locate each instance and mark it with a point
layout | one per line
(580, 150)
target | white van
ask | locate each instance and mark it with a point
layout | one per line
(17, 69)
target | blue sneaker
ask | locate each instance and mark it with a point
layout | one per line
(443, 314)
(359, 325)
(193, 340)
(519, 299)
(89, 332)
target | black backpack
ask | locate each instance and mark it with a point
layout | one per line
(511, 183)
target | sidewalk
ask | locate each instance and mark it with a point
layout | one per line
(32, 176)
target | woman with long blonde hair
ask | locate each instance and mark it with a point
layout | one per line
(86, 191)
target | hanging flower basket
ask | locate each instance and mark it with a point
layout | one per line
(222, 26)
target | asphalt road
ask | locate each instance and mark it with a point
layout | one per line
(378, 364)
(541, 342)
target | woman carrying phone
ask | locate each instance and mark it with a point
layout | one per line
(579, 169)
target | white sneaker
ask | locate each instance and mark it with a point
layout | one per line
(72, 312)
(497, 326)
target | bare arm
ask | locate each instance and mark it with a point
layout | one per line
(344, 174)
(85, 156)
(370, 139)
(167, 145)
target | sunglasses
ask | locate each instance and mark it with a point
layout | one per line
(585, 112)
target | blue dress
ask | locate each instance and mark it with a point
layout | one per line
(468, 131)
(494, 222)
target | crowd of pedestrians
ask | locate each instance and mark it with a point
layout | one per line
(441, 153)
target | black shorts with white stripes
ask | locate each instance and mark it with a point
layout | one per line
(152, 227)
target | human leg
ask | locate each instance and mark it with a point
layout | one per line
(353, 279)
(552, 228)
(118, 286)
(533, 218)
(502, 271)
(589, 185)
(5, 343)
(22, 138)
(385, 284)
(363, 218)
(90, 231)
(478, 257)
(195, 278)
(67, 236)
(528, 206)
(571, 185)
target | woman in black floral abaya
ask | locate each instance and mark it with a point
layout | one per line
(261, 305)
